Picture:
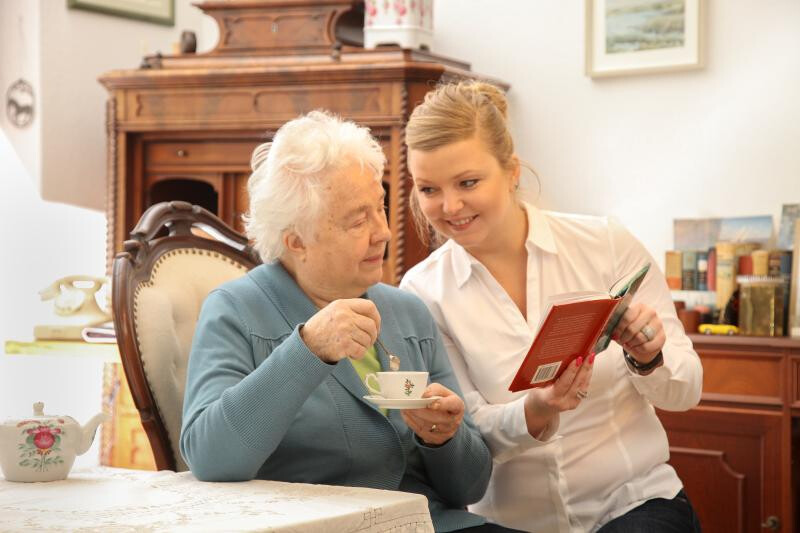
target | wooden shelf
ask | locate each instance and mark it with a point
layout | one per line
(744, 341)
(108, 352)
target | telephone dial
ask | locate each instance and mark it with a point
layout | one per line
(75, 307)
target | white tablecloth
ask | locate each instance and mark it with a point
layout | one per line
(117, 500)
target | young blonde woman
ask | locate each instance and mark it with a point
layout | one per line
(587, 453)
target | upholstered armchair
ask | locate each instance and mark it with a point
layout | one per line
(176, 255)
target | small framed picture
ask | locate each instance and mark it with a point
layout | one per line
(643, 36)
(156, 11)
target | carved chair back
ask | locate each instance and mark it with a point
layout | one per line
(176, 255)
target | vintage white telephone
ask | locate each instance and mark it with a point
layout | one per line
(75, 307)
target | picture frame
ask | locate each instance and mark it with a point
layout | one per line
(626, 37)
(155, 11)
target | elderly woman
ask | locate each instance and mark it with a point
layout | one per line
(275, 386)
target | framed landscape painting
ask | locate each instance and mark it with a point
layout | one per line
(643, 36)
(157, 11)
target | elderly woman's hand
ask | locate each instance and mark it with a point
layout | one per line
(343, 328)
(641, 333)
(437, 423)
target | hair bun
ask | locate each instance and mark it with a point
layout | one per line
(259, 155)
(494, 94)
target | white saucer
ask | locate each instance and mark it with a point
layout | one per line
(400, 403)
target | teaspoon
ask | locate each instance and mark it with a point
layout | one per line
(394, 361)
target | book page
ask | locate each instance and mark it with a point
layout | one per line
(625, 294)
(568, 297)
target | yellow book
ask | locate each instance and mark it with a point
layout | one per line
(672, 269)
(760, 262)
(726, 273)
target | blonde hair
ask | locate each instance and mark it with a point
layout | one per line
(457, 112)
(289, 175)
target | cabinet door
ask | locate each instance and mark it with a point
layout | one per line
(733, 464)
(211, 173)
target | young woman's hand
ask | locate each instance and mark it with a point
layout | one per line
(566, 393)
(640, 333)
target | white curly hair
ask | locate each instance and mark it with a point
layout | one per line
(290, 172)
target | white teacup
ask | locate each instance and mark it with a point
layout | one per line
(398, 385)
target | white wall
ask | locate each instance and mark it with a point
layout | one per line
(41, 240)
(20, 59)
(65, 52)
(721, 141)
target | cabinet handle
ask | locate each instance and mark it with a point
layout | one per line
(772, 522)
(181, 153)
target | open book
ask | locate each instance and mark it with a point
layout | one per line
(573, 325)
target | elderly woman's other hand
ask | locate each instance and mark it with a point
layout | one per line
(437, 423)
(343, 328)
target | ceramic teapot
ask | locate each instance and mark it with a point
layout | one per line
(43, 447)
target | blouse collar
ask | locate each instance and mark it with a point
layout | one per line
(539, 236)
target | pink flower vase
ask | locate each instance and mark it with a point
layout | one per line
(407, 23)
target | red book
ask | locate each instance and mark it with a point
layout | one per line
(712, 269)
(745, 265)
(574, 325)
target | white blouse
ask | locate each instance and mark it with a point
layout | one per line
(608, 455)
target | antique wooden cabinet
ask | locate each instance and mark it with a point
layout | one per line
(183, 127)
(737, 452)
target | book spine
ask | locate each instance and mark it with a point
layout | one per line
(760, 262)
(712, 269)
(744, 265)
(780, 266)
(689, 271)
(672, 269)
(726, 273)
(794, 292)
(702, 271)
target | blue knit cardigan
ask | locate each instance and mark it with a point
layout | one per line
(260, 405)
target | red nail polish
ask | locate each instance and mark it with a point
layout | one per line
(591, 359)
(578, 362)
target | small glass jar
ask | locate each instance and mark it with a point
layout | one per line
(761, 305)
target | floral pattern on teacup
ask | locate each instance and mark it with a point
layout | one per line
(408, 387)
(42, 444)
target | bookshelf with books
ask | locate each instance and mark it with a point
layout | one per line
(709, 282)
(713, 256)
